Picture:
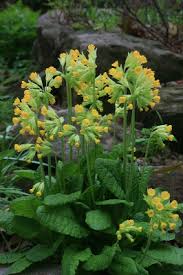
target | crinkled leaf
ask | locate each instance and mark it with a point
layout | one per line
(62, 220)
(114, 202)
(6, 218)
(10, 257)
(25, 206)
(41, 252)
(108, 172)
(71, 259)
(98, 219)
(19, 266)
(61, 199)
(101, 261)
(123, 265)
(167, 254)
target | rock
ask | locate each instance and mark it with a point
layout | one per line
(55, 36)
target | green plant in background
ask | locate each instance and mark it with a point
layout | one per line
(90, 207)
(18, 31)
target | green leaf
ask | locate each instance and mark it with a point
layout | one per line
(61, 199)
(10, 257)
(114, 202)
(123, 265)
(6, 218)
(71, 259)
(25, 206)
(108, 172)
(41, 252)
(98, 220)
(62, 220)
(19, 266)
(167, 254)
(25, 227)
(101, 261)
(27, 174)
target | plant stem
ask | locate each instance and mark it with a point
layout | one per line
(62, 149)
(69, 106)
(89, 173)
(125, 157)
(43, 177)
(49, 169)
(133, 137)
(147, 245)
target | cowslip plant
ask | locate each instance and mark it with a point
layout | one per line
(88, 206)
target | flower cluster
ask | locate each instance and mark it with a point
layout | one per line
(133, 85)
(126, 228)
(34, 104)
(162, 211)
(162, 133)
(37, 189)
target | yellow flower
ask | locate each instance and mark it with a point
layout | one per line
(97, 141)
(141, 58)
(156, 200)
(155, 92)
(39, 140)
(41, 124)
(152, 104)
(27, 96)
(39, 156)
(169, 128)
(51, 137)
(16, 102)
(159, 206)
(163, 225)
(91, 48)
(170, 137)
(138, 69)
(79, 108)
(18, 148)
(66, 127)
(51, 70)
(175, 216)
(108, 90)
(174, 204)
(17, 111)
(38, 194)
(156, 98)
(165, 195)
(58, 81)
(115, 64)
(151, 192)
(62, 55)
(150, 213)
(156, 83)
(95, 113)
(44, 111)
(33, 76)
(24, 115)
(86, 122)
(77, 144)
(38, 147)
(130, 106)
(122, 99)
(130, 222)
(155, 226)
(60, 134)
(172, 226)
(24, 85)
(42, 132)
(15, 120)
